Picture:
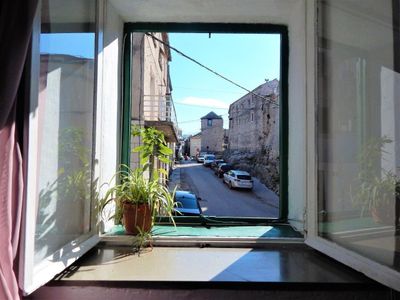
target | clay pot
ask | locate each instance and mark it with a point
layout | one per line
(136, 216)
(383, 215)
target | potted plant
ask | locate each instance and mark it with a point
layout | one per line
(139, 200)
(141, 196)
(377, 190)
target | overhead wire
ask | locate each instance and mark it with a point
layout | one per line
(209, 69)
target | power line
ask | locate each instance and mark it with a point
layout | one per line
(208, 69)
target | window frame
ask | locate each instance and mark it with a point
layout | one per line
(243, 28)
(32, 276)
(369, 267)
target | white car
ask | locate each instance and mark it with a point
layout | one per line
(208, 159)
(200, 158)
(238, 179)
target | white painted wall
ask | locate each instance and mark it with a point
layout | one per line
(109, 98)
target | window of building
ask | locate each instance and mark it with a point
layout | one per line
(209, 122)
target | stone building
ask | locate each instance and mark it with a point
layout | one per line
(254, 133)
(212, 133)
(152, 104)
(195, 144)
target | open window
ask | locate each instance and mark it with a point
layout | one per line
(249, 130)
(59, 221)
(357, 100)
(357, 201)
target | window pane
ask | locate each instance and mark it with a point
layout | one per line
(65, 113)
(358, 128)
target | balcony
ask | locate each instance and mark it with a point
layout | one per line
(159, 112)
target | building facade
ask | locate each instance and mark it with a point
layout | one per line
(254, 119)
(212, 133)
(254, 134)
(152, 104)
(195, 144)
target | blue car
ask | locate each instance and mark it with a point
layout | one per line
(187, 204)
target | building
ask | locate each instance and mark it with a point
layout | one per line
(194, 144)
(254, 119)
(152, 103)
(212, 133)
(340, 84)
(254, 134)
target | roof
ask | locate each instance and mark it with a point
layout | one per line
(211, 115)
(197, 135)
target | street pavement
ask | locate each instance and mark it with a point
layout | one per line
(218, 200)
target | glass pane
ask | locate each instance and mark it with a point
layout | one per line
(65, 113)
(358, 129)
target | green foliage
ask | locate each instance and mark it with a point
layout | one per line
(153, 147)
(143, 239)
(375, 187)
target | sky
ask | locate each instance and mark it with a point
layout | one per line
(247, 59)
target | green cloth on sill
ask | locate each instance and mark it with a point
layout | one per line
(273, 231)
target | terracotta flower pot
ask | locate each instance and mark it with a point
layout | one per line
(383, 215)
(135, 217)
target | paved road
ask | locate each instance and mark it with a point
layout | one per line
(219, 200)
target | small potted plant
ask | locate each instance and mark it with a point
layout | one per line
(141, 195)
(139, 200)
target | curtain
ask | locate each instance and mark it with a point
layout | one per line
(16, 19)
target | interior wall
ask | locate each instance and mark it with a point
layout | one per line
(109, 87)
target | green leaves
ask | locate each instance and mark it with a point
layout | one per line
(154, 148)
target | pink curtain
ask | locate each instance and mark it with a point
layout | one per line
(16, 18)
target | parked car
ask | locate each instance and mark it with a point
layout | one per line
(222, 169)
(200, 158)
(238, 179)
(208, 159)
(187, 204)
(215, 164)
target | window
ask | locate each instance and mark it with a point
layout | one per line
(213, 123)
(61, 144)
(358, 161)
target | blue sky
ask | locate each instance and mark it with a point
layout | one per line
(247, 59)
(76, 44)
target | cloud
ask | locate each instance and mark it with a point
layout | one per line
(203, 102)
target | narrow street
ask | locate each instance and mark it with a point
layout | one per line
(218, 200)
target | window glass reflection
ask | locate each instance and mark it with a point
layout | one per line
(359, 131)
(65, 124)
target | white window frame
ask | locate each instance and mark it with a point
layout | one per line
(369, 267)
(32, 276)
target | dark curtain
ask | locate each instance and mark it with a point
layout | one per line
(16, 19)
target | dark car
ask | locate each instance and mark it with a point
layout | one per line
(215, 164)
(187, 204)
(222, 169)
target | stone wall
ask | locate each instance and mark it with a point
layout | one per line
(254, 134)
